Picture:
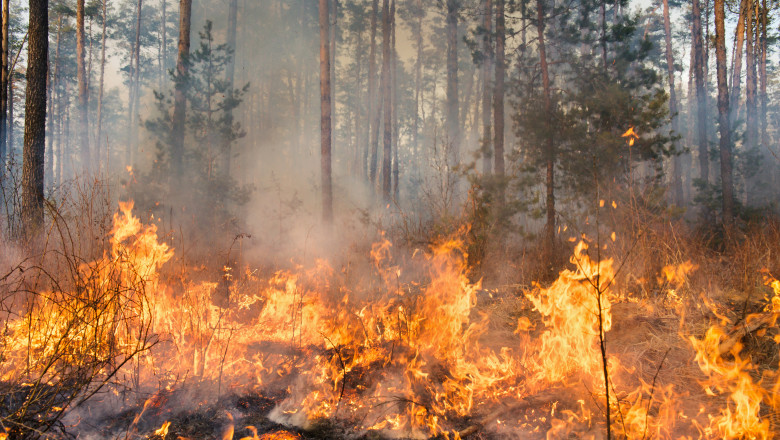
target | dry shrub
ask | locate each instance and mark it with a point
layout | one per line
(73, 315)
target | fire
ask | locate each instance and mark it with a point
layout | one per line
(741, 417)
(570, 308)
(676, 275)
(163, 431)
(631, 135)
(405, 349)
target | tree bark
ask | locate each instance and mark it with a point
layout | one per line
(418, 36)
(762, 75)
(83, 109)
(487, 98)
(333, 11)
(701, 96)
(751, 123)
(163, 42)
(227, 144)
(180, 97)
(676, 171)
(35, 119)
(99, 115)
(53, 81)
(325, 121)
(394, 97)
(134, 89)
(549, 228)
(736, 73)
(373, 109)
(498, 91)
(727, 179)
(4, 82)
(453, 126)
(387, 103)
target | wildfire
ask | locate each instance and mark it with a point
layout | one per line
(405, 351)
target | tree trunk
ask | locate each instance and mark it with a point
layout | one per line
(751, 123)
(603, 36)
(418, 36)
(487, 103)
(394, 97)
(373, 109)
(35, 119)
(498, 91)
(99, 115)
(11, 85)
(701, 97)
(325, 121)
(53, 81)
(676, 171)
(727, 179)
(387, 103)
(86, 157)
(736, 73)
(227, 144)
(550, 147)
(134, 89)
(333, 11)
(762, 75)
(180, 97)
(453, 126)
(4, 82)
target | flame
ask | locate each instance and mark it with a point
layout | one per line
(163, 431)
(405, 350)
(741, 417)
(570, 310)
(631, 135)
(676, 275)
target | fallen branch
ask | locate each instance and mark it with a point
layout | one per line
(749, 325)
(530, 401)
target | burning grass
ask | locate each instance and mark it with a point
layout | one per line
(398, 350)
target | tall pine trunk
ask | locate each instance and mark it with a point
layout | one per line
(736, 73)
(333, 14)
(83, 108)
(373, 108)
(676, 171)
(134, 89)
(99, 115)
(751, 123)
(762, 75)
(164, 42)
(487, 98)
(227, 144)
(453, 126)
(387, 103)
(325, 115)
(179, 96)
(726, 173)
(4, 78)
(498, 90)
(418, 36)
(549, 229)
(35, 119)
(53, 76)
(701, 96)
(394, 97)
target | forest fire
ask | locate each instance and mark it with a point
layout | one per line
(407, 351)
(389, 219)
